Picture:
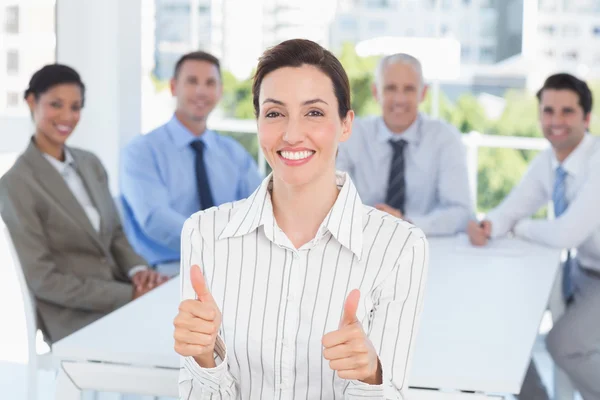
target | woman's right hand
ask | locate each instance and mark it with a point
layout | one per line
(197, 323)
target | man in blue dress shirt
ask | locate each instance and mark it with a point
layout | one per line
(182, 167)
(405, 163)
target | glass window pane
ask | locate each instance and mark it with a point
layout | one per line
(12, 20)
(27, 43)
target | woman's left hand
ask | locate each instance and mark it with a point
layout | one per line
(349, 350)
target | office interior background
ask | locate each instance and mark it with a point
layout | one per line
(494, 55)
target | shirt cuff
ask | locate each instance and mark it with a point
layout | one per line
(136, 269)
(360, 390)
(212, 379)
(522, 228)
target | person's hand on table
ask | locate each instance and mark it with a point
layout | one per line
(479, 232)
(146, 280)
(349, 350)
(197, 323)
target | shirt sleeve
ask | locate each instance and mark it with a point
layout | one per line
(395, 322)
(454, 206)
(251, 176)
(195, 382)
(575, 225)
(148, 196)
(523, 201)
(134, 270)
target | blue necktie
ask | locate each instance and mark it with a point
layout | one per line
(396, 193)
(206, 199)
(559, 198)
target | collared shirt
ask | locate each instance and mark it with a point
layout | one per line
(438, 197)
(159, 186)
(579, 226)
(278, 302)
(68, 171)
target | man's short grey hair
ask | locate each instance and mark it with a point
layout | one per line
(398, 58)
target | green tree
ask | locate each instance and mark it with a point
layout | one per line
(470, 115)
(595, 122)
(159, 85)
(360, 72)
(499, 170)
(520, 116)
(446, 110)
(237, 97)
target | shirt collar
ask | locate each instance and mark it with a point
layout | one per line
(61, 166)
(410, 135)
(574, 163)
(182, 136)
(344, 220)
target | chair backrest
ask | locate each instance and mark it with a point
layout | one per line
(28, 299)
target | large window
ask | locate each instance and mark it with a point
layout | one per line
(12, 99)
(12, 62)
(11, 24)
(27, 42)
(548, 5)
(582, 6)
(492, 93)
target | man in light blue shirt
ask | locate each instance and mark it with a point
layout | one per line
(182, 167)
(405, 163)
(568, 175)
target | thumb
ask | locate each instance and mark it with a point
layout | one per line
(199, 284)
(350, 307)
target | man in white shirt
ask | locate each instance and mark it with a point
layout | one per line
(405, 163)
(569, 175)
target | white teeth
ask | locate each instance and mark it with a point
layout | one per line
(296, 155)
(63, 128)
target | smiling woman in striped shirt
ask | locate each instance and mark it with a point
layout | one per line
(302, 291)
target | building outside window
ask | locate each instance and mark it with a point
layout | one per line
(12, 62)
(11, 23)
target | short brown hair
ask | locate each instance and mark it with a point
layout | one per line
(197, 56)
(564, 81)
(298, 52)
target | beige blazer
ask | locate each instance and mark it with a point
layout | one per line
(76, 274)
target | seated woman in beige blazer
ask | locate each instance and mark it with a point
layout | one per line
(62, 218)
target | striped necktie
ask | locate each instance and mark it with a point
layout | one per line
(396, 193)
(559, 198)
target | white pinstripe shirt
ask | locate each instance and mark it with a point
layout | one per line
(278, 302)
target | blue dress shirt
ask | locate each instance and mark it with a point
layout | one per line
(159, 189)
(438, 198)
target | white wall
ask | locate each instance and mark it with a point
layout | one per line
(102, 41)
(15, 133)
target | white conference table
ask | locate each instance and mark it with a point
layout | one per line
(482, 312)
